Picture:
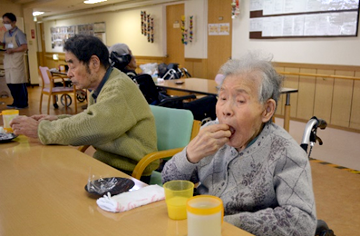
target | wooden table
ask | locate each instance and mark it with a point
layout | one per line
(210, 87)
(42, 193)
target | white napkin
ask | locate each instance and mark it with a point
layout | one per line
(129, 200)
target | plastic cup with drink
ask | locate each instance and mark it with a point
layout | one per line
(177, 192)
(8, 115)
(204, 215)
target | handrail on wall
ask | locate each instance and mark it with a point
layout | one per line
(319, 75)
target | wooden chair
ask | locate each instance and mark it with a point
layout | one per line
(49, 89)
(175, 128)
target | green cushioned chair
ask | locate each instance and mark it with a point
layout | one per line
(174, 128)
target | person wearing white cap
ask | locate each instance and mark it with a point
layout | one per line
(122, 58)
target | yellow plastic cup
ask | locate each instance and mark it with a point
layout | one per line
(8, 115)
(205, 214)
(177, 192)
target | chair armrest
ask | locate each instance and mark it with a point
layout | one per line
(83, 148)
(146, 160)
(57, 77)
(195, 129)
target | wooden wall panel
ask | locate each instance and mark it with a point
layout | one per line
(281, 102)
(51, 63)
(324, 95)
(305, 106)
(145, 60)
(292, 81)
(355, 106)
(343, 90)
(219, 46)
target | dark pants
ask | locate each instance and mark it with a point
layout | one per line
(19, 94)
(145, 179)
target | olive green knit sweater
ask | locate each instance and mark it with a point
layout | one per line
(120, 125)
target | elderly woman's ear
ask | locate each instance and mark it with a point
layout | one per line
(269, 110)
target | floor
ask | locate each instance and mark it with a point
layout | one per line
(336, 185)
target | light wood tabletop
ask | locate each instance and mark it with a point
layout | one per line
(210, 87)
(42, 193)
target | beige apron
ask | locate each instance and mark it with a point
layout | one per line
(14, 63)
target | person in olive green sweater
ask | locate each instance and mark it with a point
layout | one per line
(118, 122)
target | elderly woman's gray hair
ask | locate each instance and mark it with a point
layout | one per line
(251, 63)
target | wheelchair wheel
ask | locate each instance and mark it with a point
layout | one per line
(69, 100)
(322, 229)
(81, 95)
(56, 106)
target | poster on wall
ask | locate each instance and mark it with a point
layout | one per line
(60, 34)
(219, 29)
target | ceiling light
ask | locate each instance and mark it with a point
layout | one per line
(37, 13)
(94, 1)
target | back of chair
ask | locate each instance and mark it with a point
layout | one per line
(148, 88)
(173, 127)
(44, 75)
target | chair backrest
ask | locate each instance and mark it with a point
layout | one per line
(44, 73)
(173, 127)
(148, 88)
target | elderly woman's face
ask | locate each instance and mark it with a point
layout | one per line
(238, 106)
(132, 64)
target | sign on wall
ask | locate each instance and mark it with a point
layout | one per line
(219, 29)
(307, 18)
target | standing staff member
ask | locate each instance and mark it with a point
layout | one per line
(15, 45)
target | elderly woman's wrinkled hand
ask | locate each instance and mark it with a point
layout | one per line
(207, 142)
(25, 125)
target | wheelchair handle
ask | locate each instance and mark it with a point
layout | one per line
(321, 124)
(309, 126)
(309, 135)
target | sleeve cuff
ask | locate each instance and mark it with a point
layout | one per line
(183, 164)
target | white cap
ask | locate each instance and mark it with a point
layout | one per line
(120, 48)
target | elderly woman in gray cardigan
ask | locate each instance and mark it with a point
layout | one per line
(258, 170)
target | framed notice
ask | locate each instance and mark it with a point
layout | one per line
(219, 29)
(305, 18)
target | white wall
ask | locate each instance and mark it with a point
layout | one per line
(121, 27)
(198, 9)
(332, 50)
(32, 45)
(124, 27)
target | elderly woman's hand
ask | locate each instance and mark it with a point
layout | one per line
(25, 125)
(207, 142)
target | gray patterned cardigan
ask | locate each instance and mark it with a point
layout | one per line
(266, 189)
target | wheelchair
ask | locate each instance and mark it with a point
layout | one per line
(202, 108)
(172, 71)
(81, 95)
(308, 141)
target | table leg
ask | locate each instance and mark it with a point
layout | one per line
(287, 113)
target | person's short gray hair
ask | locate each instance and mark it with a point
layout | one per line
(254, 64)
(120, 48)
